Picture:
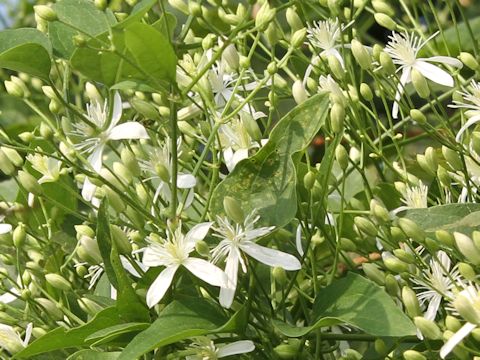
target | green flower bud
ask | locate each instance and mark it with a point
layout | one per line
(55, 106)
(420, 84)
(431, 159)
(387, 64)
(89, 306)
(293, 20)
(410, 301)
(381, 6)
(366, 92)
(145, 108)
(233, 209)
(346, 244)
(428, 328)
(379, 212)
(341, 156)
(395, 265)
(385, 21)
(194, 8)
(374, 273)
(122, 172)
(121, 240)
(467, 271)
(38, 332)
(208, 41)
(252, 127)
(81, 270)
(309, 180)
(6, 165)
(469, 60)
(466, 246)
(26, 136)
(84, 230)
(179, 5)
(14, 89)
(335, 66)
(404, 256)
(413, 355)
(418, 116)
(376, 51)
(452, 323)
(466, 309)
(298, 91)
(29, 183)
(202, 248)
(264, 16)
(443, 176)
(365, 226)
(162, 172)
(45, 12)
(411, 229)
(361, 55)
(380, 347)
(58, 282)
(12, 155)
(50, 308)
(298, 38)
(230, 56)
(130, 161)
(280, 275)
(245, 62)
(19, 236)
(337, 117)
(288, 351)
(452, 157)
(46, 131)
(391, 285)
(92, 251)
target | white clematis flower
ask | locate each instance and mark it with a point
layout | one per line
(205, 349)
(471, 102)
(11, 341)
(238, 239)
(49, 167)
(109, 129)
(404, 48)
(175, 252)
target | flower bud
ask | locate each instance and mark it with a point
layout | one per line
(469, 60)
(378, 211)
(431, 159)
(466, 246)
(346, 244)
(89, 306)
(385, 21)
(335, 66)
(420, 84)
(374, 273)
(391, 285)
(380, 347)
(84, 230)
(418, 116)
(452, 323)
(29, 183)
(289, 350)
(410, 301)
(179, 5)
(6, 165)
(395, 265)
(252, 127)
(445, 237)
(466, 309)
(19, 236)
(201, 247)
(194, 8)
(413, 355)
(230, 56)
(122, 172)
(381, 6)
(366, 92)
(58, 282)
(233, 209)
(309, 180)
(12, 155)
(121, 240)
(452, 157)
(341, 156)
(141, 193)
(387, 64)
(298, 91)
(280, 275)
(365, 226)
(404, 256)
(361, 54)
(298, 38)
(467, 271)
(14, 89)
(45, 12)
(337, 117)
(428, 328)
(50, 308)
(130, 161)
(264, 16)
(293, 20)
(92, 251)
(411, 229)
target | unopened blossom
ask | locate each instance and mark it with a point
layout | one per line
(404, 49)
(11, 341)
(47, 166)
(4, 228)
(239, 239)
(471, 103)
(205, 349)
(174, 252)
(107, 129)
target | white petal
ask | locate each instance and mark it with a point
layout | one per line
(186, 181)
(258, 233)
(151, 257)
(404, 80)
(95, 158)
(237, 347)
(231, 270)
(433, 306)
(271, 257)
(127, 131)
(298, 240)
(88, 189)
(473, 120)
(129, 267)
(117, 109)
(9, 296)
(5, 228)
(9, 339)
(198, 232)
(456, 338)
(28, 334)
(206, 271)
(159, 287)
(434, 73)
(446, 60)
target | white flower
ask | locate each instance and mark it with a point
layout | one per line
(175, 252)
(4, 228)
(205, 349)
(404, 48)
(95, 142)
(472, 105)
(238, 239)
(328, 84)
(414, 197)
(11, 341)
(47, 166)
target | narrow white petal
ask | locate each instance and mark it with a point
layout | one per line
(88, 190)
(337, 54)
(127, 131)
(186, 181)
(129, 267)
(198, 232)
(456, 338)
(298, 240)
(239, 155)
(159, 287)
(5, 228)
(151, 258)
(433, 306)
(258, 233)
(9, 296)
(445, 60)
(117, 109)
(28, 334)
(473, 120)
(231, 269)
(95, 158)
(206, 271)
(404, 80)
(434, 73)
(271, 257)
(235, 348)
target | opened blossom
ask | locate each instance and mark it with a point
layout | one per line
(174, 252)
(11, 341)
(239, 239)
(404, 49)
(471, 103)
(205, 349)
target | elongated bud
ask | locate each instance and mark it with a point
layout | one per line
(289, 350)
(431, 159)
(365, 226)
(309, 180)
(298, 38)
(443, 176)
(387, 64)
(381, 6)
(264, 16)
(19, 236)
(366, 92)
(13, 156)
(467, 271)
(252, 127)
(194, 8)
(466, 309)
(122, 172)
(378, 211)
(385, 21)
(413, 355)
(337, 117)
(58, 282)
(418, 116)
(298, 91)
(452, 323)
(121, 240)
(404, 256)
(130, 161)
(469, 60)
(334, 65)
(445, 237)
(29, 183)
(84, 230)
(230, 56)
(411, 229)
(346, 244)
(341, 156)
(45, 12)
(361, 54)
(428, 328)
(466, 246)
(411, 302)
(420, 84)
(202, 248)
(374, 273)
(89, 306)
(179, 5)
(233, 209)
(452, 157)
(293, 19)
(91, 247)
(50, 308)
(6, 165)
(14, 89)
(395, 265)
(280, 275)
(391, 285)
(162, 172)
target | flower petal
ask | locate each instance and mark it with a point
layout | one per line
(473, 120)
(434, 73)
(271, 257)
(151, 257)
(456, 339)
(231, 270)
(404, 80)
(235, 348)
(117, 109)
(445, 60)
(206, 271)
(28, 334)
(88, 189)
(159, 287)
(127, 131)
(95, 158)
(186, 181)
(198, 232)
(298, 240)
(5, 228)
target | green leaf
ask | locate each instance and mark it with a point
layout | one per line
(61, 37)
(61, 338)
(464, 218)
(8, 190)
(266, 181)
(458, 37)
(105, 242)
(166, 24)
(358, 302)
(106, 335)
(17, 47)
(181, 319)
(88, 354)
(140, 9)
